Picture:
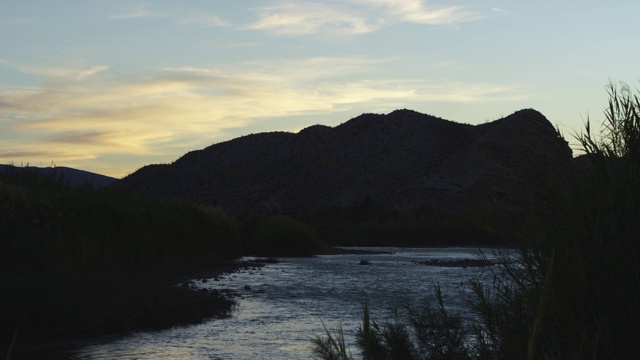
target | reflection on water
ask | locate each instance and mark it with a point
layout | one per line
(283, 306)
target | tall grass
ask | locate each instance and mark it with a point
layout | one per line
(429, 332)
(596, 287)
(332, 346)
(572, 291)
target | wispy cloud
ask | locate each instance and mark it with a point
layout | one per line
(68, 73)
(499, 10)
(354, 17)
(298, 18)
(140, 11)
(417, 11)
(90, 113)
(20, 154)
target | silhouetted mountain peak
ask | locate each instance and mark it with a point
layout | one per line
(404, 161)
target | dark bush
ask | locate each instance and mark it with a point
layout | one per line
(77, 261)
(282, 236)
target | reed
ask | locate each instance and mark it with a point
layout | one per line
(332, 346)
(572, 290)
(594, 296)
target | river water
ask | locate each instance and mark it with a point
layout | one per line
(283, 306)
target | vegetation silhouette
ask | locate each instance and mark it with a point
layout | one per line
(77, 262)
(572, 290)
(281, 236)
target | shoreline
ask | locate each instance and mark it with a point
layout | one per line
(198, 305)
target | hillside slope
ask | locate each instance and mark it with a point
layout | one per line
(69, 176)
(405, 161)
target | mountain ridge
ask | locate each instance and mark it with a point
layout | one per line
(70, 176)
(404, 161)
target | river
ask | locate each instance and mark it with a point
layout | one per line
(283, 306)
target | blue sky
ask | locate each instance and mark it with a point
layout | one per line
(110, 86)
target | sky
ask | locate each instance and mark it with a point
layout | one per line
(111, 86)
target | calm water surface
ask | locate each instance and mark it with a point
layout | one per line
(288, 302)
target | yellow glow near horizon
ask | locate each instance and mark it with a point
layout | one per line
(84, 113)
(111, 86)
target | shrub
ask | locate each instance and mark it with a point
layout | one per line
(282, 236)
(76, 261)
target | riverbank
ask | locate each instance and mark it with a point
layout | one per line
(334, 250)
(283, 305)
(178, 302)
(77, 263)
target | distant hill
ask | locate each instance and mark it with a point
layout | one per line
(404, 161)
(70, 176)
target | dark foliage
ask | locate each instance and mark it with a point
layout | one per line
(282, 236)
(80, 262)
(572, 291)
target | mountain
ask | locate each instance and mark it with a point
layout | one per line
(70, 176)
(404, 161)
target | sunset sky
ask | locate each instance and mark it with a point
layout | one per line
(110, 86)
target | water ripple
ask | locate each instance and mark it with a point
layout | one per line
(284, 305)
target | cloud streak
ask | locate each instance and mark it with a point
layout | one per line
(415, 11)
(141, 11)
(88, 113)
(353, 18)
(68, 73)
(298, 18)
